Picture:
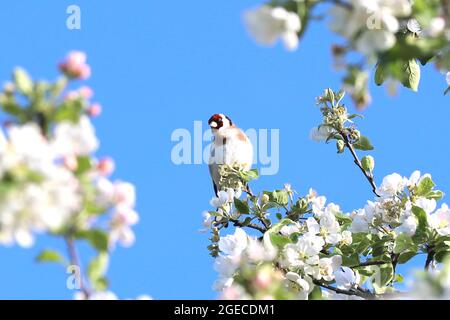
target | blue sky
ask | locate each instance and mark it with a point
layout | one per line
(161, 65)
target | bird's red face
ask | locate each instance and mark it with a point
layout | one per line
(218, 121)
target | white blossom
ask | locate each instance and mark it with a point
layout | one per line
(408, 224)
(326, 268)
(234, 244)
(347, 238)
(75, 139)
(392, 185)
(440, 220)
(207, 221)
(428, 205)
(436, 27)
(267, 24)
(346, 278)
(327, 227)
(303, 284)
(289, 229)
(321, 133)
(304, 251)
(375, 22)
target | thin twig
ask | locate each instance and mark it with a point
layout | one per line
(248, 190)
(340, 3)
(369, 263)
(359, 293)
(238, 223)
(358, 163)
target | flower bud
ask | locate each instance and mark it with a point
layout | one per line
(105, 166)
(264, 198)
(86, 92)
(368, 163)
(94, 110)
(329, 95)
(74, 66)
(340, 145)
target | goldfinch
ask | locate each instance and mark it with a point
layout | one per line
(230, 146)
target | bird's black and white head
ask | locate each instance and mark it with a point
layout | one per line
(219, 122)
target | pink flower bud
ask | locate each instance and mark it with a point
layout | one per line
(106, 166)
(74, 66)
(94, 110)
(86, 92)
(84, 72)
(76, 58)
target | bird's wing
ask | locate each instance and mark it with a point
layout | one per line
(214, 171)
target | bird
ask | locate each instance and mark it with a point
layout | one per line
(230, 146)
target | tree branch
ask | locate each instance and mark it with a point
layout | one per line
(340, 3)
(430, 259)
(238, 223)
(369, 263)
(359, 293)
(358, 163)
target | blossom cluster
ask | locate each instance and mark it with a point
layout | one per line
(325, 248)
(394, 35)
(394, 210)
(51, 181)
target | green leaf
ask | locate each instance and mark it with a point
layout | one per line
(49, 255)
(84, 165)
(436, 195)
(398, 278)
(355, 115)
(380, 75)
(96, 237)
(343, 218)
(22, 81)
(280, 197)
(350, 260)
(362, 246)
(441, 255)
(274, 233)
(69, 110)
(421, 230)
(363, 144)
(411, 78)
(98, 267)
(403, 243)
(406, 256)
(241, 206)
(386, 274)
(250, 175)
(100, 284)
(425, 186)
(316, 294)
